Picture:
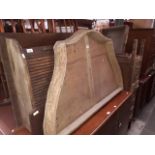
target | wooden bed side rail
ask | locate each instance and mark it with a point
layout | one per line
(98, 120)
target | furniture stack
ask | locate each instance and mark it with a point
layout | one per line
(81, 83)
(130, 63)
(44, 25)
(45, 86)
(28, 61)
(147, 74)
(4, 95)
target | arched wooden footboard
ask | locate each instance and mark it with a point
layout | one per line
(86, 76)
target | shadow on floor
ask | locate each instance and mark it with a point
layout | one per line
(145, 122)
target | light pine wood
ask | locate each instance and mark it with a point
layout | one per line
(18, 81)
(86, 76)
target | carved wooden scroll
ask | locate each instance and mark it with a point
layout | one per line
(86, 76)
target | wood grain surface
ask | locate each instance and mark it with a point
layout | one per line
(86, 76)
(28, 61)
(94, 123)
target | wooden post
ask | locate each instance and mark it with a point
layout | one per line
(1, 26)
